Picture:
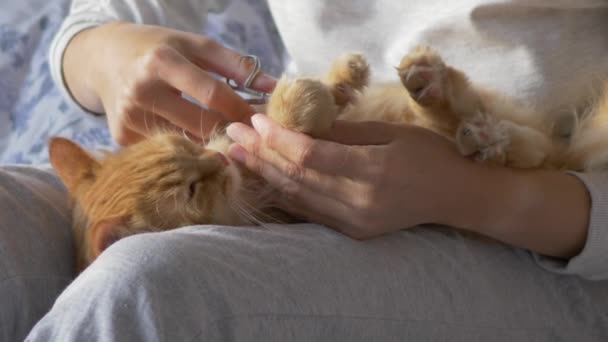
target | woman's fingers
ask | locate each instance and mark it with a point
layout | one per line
(303, 151)
(321, 202)
(180, 73)
(194, 119)
(313, 190)
(212, 56)
(344, 221)
(282, 173)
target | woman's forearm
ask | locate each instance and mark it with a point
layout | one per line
(544, 211)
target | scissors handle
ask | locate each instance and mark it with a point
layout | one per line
(258, 97)
(258, 100)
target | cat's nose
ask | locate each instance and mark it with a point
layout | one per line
(224, 159)
(212, 162)
(220, 157)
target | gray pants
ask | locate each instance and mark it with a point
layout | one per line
(288, 283)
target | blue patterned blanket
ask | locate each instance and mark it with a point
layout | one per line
(32, 108)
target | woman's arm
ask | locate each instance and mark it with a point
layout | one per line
(377, 178)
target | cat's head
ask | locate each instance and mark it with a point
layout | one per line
(160, 183)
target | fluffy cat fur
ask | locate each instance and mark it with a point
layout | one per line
(167, 181)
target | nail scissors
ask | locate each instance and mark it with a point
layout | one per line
(254, 97)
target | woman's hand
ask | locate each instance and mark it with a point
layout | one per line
(136, 74)
(368, 179)
(372, 178)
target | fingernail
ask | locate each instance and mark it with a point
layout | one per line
(235, 132)
(260, 123)
(237, 152)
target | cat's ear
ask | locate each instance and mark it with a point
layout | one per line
(105, 233)
(71, 162)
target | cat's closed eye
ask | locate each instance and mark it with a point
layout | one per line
(192, 189)
(466, 132)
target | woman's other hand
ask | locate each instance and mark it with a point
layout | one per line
(368, 179)
(371, 179)
(136, 74)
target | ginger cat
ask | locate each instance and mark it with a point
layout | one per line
(167, 181)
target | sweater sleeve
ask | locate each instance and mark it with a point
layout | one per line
(185, 15)
(591, 263)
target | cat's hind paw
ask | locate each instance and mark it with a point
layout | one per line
(424, 74)
(503, 142)
(484, 137)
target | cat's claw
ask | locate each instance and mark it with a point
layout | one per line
(344, 94)
(423, 74)
(422, 83)
(359, 72)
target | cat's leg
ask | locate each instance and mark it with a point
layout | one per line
(434, 85)
(504, 142)
(529, 147)
(310, 105)
(479, 119)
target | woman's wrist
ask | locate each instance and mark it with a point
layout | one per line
(544, 211)
(76, 66)
(469, 201)
(83, 55)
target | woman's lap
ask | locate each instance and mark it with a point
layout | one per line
(277, 283)
(304, 282)
(35, 247)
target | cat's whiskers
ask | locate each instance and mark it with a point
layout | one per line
(176, 207)
(146, 117)
(252, 210)
(156, 203)
(268, 218)
(129, 121)
(236, 205)
(201, 124)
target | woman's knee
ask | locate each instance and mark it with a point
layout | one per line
(143, 255)
(163, 259)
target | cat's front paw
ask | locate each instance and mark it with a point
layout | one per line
(304, 105)
(350, 69)
(484, 137)
(424, 74)
(347, 76)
